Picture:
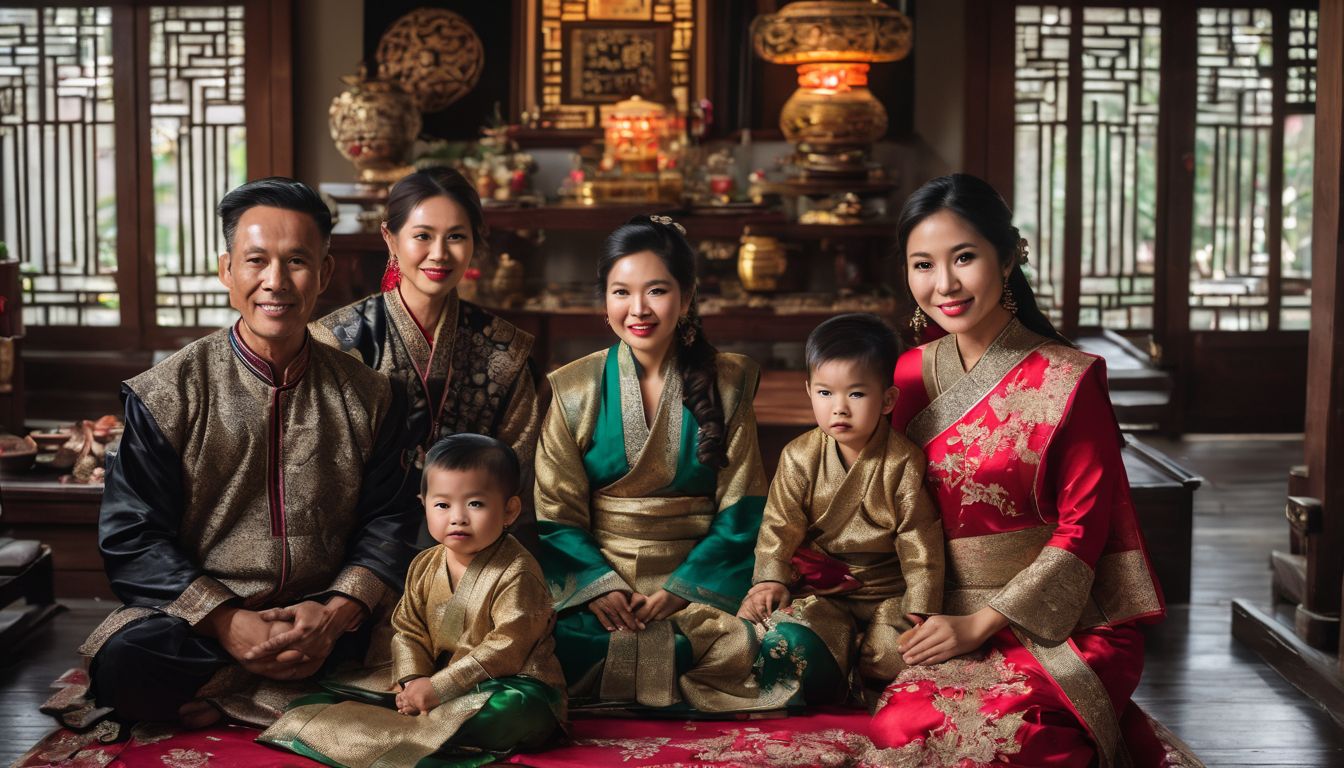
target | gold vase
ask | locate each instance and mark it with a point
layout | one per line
(833, 129)
(761, 262)
(374, 124)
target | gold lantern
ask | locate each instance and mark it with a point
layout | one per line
(832, 119)
(636, 159)
(633, 135)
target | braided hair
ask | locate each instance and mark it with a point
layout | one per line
(695, 361)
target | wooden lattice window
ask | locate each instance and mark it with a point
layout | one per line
(121, 126)
(1106, 263)
(58, 202)
(199, 152)
(1250, 252)
(1086, 176)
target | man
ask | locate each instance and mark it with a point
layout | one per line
(258, 494)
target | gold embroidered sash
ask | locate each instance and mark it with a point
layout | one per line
(646, 539)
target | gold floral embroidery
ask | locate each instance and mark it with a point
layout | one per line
(152, 733)
(64, 746)
(631, 749)
(753, 747)
(186, 758)
(967, 737)
(1019, 409)
(90, 758)
(993, 494)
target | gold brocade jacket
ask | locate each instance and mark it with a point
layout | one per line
(648, 522)
(874, 517)
(238, 483)
(876, 520)
(474, 377)
(495, 624)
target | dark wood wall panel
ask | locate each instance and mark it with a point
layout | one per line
(1245, 382)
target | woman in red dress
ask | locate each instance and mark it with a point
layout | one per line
(1039, 651)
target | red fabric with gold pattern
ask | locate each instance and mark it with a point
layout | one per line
(1025, 467)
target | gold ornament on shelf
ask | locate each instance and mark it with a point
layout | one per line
(638, 157)
(832, 118)
(508, 284)
(434, 54)
(374, 124)
(761, 262)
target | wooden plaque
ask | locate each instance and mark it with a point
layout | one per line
(607, 63)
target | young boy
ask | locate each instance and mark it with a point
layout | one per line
(850, 542)
(475, 621)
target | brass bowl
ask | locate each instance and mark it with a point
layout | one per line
(51, 439)
(17, 454)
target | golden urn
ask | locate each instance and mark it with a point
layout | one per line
(832, 119)
(761, 262)
(374, 124)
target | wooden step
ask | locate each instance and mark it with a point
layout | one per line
(1315, 673)
(1289, 580)
(1140, 390)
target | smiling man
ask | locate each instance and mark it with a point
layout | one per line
(258, 509)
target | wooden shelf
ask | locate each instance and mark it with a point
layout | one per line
(555, 138)
(699, 222)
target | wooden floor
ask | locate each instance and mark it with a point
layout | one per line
(1211, 691)
(1218, 696)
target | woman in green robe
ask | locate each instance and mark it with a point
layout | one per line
(649, 495)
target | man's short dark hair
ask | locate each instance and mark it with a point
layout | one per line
(466, 450)
(273, 192)
(859, 337)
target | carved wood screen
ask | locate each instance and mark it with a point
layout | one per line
(58, 202)
(592, 52)
(1086, 182)
(1116, 53)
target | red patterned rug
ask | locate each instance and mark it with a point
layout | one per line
(827, 737)
(831, 738)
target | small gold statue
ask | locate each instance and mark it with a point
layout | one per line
(507, 284)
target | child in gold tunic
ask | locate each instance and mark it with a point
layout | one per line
(473, 661)
(850, 542)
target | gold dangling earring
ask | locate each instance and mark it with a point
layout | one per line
(918, 322)
(1008, 301)
(686, 329)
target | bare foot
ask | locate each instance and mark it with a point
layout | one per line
(198, 714)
